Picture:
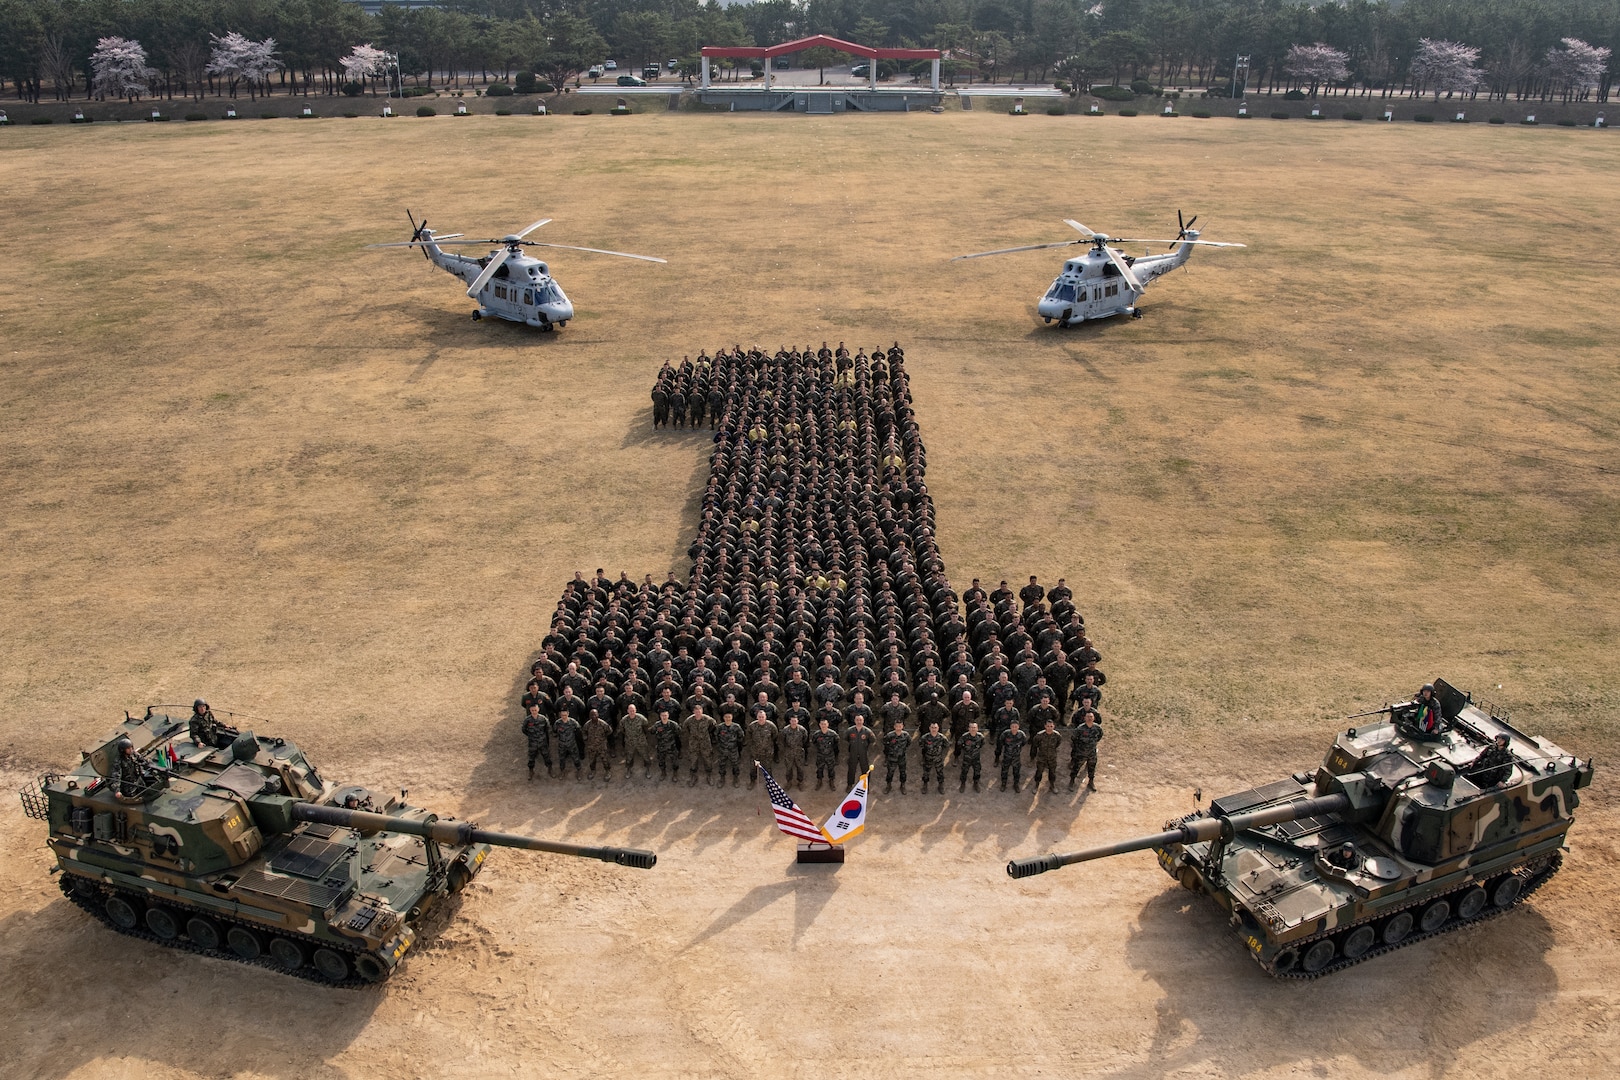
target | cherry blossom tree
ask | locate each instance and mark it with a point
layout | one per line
(1446, 67)
(1316, 64)
(1576, 68)
(365, 62)
(241, 59)
(118, 69)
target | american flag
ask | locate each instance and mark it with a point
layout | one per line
(789, 818)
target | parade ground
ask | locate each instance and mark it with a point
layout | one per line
(248, 460)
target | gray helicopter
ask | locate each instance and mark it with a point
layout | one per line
(1105, 281)
(507, 283)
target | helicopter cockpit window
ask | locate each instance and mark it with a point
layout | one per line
(1060, 291)
(546, 294)
(504, 271)
(1110, 270)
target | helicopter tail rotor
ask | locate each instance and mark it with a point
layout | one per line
(1183, 226)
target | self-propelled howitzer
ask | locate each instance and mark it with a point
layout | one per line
(1398, 836)
(237, 847)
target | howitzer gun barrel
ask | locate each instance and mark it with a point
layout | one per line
(1190, 832)
(464, 832)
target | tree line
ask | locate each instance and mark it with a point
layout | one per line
(173, 48)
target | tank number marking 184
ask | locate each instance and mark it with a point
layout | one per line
(1340, 762)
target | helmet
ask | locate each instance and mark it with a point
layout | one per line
(199, 704)
(1428, 688)
(124, 744)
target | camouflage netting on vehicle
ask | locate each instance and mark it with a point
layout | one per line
(815, 548)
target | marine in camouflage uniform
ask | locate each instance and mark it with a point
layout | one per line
(896, 744)
(537, 729)
(934, 746)
(1083, 748)
(763, 739)
(825, 742)
(634, 730)
(795, 747)
(728, 746)
(568, 748)
(1044, 749)
(970, 753)
(667, 741)
(1011, 744)
(598, 736)
(698, 735)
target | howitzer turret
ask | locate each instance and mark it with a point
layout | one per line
(240, 848)
(1397, 836)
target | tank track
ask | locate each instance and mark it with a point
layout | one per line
(85, 895)
(1533, 879)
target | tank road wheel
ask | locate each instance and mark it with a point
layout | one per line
(370, 968)
(244, 943)
(1472, 903)
(1284, 961)
(333, 965)
(161, 921)
(1397, 928)
(1318, 956)
(203, 932)
(121, 910)
(1360, 940)
(1507, 890)
(287, 953)
(1435, 916)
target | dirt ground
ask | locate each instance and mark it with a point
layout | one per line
(243, 458)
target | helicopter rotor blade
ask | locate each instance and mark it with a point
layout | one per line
(595, 251)
(1026, 247)
(415, 243)
(489, 271)
(533, 227)
(1172, 243)
(1124, 268)
(1073, 224)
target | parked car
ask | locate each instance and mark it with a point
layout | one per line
(673, 62)
(650, 72)
(780, 63)
(612, 65)
(596, 71)
(631, 80)
(861, 71)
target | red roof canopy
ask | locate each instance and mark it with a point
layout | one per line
(754, 52)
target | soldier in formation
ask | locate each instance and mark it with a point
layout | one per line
(537, 730)
(1011, 754)
(1083, 749)
(896, 743)
(934, 747)
(1043, 749)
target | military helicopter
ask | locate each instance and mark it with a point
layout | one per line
(507, 283)
(1105, 281)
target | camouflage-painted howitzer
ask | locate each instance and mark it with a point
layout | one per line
(244, 851)
(1396, 837)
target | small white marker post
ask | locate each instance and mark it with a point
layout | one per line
(1316, 110)
(1461, 119)
(1243, 109)
(230, 114)
(1389, 116)
(387, 111)
(1530, 119)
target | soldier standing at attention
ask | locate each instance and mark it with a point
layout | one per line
(896, 744)
(728, 745)
(1083, 749)
(824, 741)
(795, 747)
(698, 735)
(634, 729)
(1031, 593)
(934, 748)
(568, 748)
(858, 742)
(598, 735)
(1044, 749)
(667, 739)
(537, 729)
(1011, 746)
(762, 741)
(970, 752)
(966, 711)
(894, 710)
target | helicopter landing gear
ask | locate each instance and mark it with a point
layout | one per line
(1136, 313)
(477, 315)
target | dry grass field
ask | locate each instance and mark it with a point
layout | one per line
(243, 458)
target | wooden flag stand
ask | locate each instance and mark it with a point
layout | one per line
(820, 853)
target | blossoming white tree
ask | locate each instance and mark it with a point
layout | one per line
(1577, 67)
(1446, 67)
(1316, 64)
(240, 59)
(365, 62)
(118, 68)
